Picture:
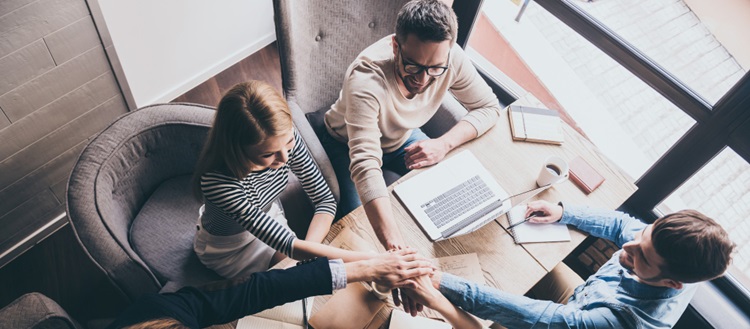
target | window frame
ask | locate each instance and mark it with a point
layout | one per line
(724, 124)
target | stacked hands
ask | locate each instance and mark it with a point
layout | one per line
(396, 270)
(414, 279)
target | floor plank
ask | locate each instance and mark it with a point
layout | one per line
(59, 268)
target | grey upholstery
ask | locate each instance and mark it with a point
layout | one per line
(35, 311)
(112, 205)
(131, 205)
(169, 213)
(318, 39)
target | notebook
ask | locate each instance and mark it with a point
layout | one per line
(583, 175)
(455, 197)
(287, 316)
(532, 124)
(533, 232)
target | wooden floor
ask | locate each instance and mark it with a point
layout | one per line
(263, 65)
(59, 268)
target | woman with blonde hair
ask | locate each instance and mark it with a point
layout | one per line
(243, 168)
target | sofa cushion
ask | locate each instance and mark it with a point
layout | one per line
(35, 311)
(162, 234)
(317, 121)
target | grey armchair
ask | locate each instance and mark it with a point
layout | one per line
(130, 201)
(129, 198)
(317, 40)
(35, 311)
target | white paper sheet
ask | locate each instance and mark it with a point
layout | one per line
(533, 232)
(465, 266)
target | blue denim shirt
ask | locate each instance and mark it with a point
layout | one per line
(611, 298)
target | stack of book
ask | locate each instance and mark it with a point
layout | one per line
(538, 125)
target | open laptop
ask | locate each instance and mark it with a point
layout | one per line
(455, 197)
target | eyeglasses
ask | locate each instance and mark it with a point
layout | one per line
(413, 68)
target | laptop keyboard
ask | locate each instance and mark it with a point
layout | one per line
(458, 201)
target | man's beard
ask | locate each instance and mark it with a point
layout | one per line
(410, 86)
(627, 264)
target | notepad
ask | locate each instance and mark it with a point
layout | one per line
(538, 125)
(583, 175)
(532, 232)
(287, 316)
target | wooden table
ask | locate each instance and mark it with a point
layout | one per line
(515, 165)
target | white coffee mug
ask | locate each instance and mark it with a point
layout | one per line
(381, 292)
(554, 170)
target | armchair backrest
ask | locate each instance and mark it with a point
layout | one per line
(318, 39)
(116, 174)
(36, 311)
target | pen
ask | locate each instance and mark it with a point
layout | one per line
(304, 312)
(523, 221)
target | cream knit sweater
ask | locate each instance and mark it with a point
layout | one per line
(373, 117)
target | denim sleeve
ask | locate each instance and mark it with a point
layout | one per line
(615, 226)
(513, 311)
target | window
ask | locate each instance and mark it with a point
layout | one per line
(721, 190)
(694, 40)
(627, 119)
(690, 138)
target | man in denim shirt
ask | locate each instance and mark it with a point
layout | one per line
(646, 284)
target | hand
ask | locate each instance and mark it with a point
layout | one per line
(546, 212)
(435, 279)
(399, 297)
(423, 291)
(411, 306)
(393, 268)
(395, 244)
(425, 153)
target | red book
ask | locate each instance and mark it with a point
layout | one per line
(584, 175)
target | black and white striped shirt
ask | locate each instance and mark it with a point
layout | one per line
(233, 205)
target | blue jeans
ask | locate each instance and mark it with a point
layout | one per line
(338, 153)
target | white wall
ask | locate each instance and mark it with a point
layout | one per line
(728, 21)
(167, 47)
